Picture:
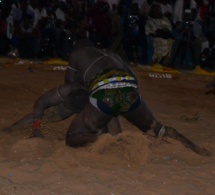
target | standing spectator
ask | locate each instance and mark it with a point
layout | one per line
(159, 28)
(117, 29)
(26, 37)
(4, 41)
(134, 40)
(188, 39)
(207, 60)
(146, 7)
(99, 24)
(144, 11)
(209, 22)
(179, 8)
(167, 9)
(51, 27)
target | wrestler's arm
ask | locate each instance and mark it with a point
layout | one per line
(53, 97)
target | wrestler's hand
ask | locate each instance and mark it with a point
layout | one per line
(167, 131)
(36, 129)
(203, 152)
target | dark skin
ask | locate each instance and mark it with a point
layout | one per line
(85, 64)
(58, 104)
(50, 107)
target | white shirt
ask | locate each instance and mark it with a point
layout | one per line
(60, 14)
(166, 8)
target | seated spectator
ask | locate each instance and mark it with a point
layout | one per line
(159, 28)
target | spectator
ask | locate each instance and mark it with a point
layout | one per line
(52, 26)
(146, 7)
(167, 9)
(180, 6)
(208, 53)
(99, 24)
(117, 29)
(188, 39)
(144, 11)
(209, 22)
(134, 39)
(159, 28)
(4, 12)
(26, 37)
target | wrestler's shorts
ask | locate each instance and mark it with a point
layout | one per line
(114, 92)
(116, 101)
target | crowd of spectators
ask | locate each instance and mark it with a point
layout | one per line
(177, 33)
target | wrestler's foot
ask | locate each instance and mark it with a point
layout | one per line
(172, 133)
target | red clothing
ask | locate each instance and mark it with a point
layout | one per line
(204, 9)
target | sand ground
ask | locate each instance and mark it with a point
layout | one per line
(127, 164)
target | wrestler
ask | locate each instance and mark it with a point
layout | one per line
(55, 105)
(113, 91)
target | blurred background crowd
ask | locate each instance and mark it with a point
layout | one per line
(177, 33)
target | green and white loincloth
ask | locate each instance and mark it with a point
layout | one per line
(114, 92)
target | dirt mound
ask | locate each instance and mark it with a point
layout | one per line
(124, 146)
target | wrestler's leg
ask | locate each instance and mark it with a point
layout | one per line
(86, 125)
(23, 123)
(52, 114)
(57, 113)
